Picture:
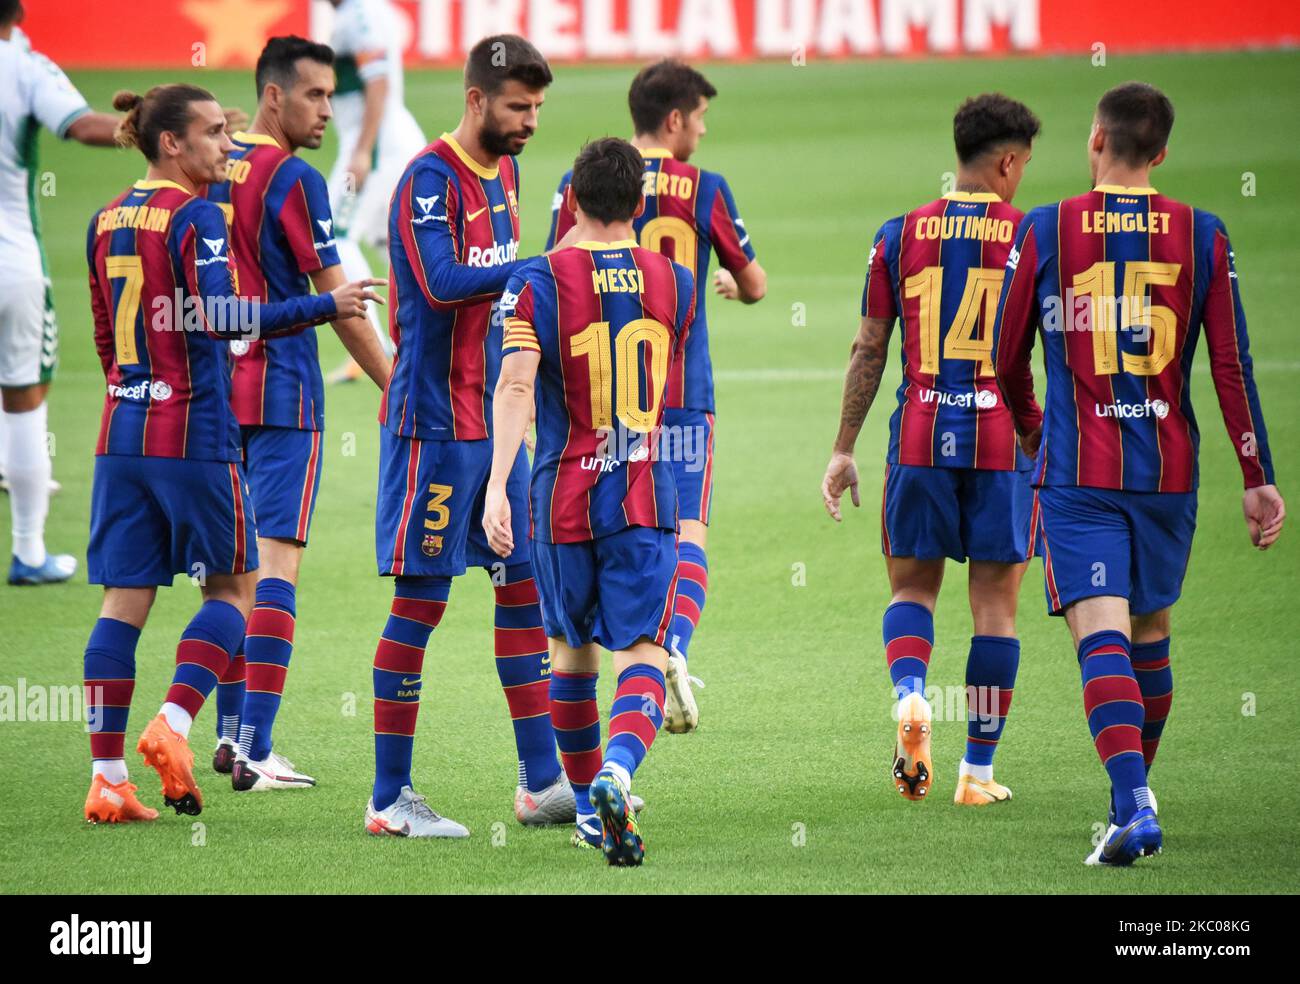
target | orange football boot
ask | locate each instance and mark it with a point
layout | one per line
(109, 803)
(912, 769)
(979, 792)
(170, 754)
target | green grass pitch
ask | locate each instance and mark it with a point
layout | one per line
(784, 787)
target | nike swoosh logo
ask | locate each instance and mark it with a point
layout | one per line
(410, 683)
(474, 215)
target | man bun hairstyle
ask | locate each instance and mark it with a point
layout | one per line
(986, 122)
(607, 178)
(163, 109)
(278, 61)
(660, 88)
(499, 58)
(1138, 119)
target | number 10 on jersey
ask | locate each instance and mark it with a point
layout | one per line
(637, 361)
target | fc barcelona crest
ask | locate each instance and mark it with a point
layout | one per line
(432, 545)
(514, 202)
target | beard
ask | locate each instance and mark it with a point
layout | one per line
(500, 142)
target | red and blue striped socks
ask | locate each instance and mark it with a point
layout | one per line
(268, 646)
(1113, 703)
(230, 699)
(990, 681)
(634, 719)
(109, 673)
(418, 605)
(1156, 681)
(577, 731)
(692, 586)
(909, 637)
(202, 658)
(525, 673)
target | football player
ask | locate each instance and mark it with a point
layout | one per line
(956, 483)
(453, 244)
(599, 324)
(377, 137)
(169, 494)
(36, 93)
(1117, 441)
(281, 227)
(690, 215)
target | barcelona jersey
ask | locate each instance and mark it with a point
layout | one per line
(278, 209)
(453, 234)
(162, 293)
(1120, 282)
(938, 270)
(608, 320)
(689, 215)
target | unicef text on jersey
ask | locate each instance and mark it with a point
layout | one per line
(685, 443)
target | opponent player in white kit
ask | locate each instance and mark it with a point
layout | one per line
(35, 93)
(378, 136)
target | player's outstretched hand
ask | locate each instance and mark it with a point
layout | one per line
(1029, 442)
(570, 238)
(1265, 512)
(350, 299)
(358, 171)
(496, 521)
(236, 119)
(725, 284)
(841, 474)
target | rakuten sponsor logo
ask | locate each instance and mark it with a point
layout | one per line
(1147, 408)
(492, 255)
(980, 399)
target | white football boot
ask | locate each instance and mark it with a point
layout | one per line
(554, 805)
(273, 772)
(681, 714)
(410, 816)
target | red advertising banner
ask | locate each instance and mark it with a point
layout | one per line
(229, 33)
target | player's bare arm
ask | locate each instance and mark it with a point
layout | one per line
(95, 129)
(749, 286)
(355, 333)
(512, 411)
(861, 382)
(372, 118)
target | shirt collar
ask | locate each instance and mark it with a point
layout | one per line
(483, 172)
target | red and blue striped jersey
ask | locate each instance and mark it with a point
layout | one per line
(453, 242)
(690, 214)
(607, 319)
(938, 270)
(162, 292)
(1120, 282)
(278, 209)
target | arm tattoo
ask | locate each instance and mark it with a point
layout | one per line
(866, 365)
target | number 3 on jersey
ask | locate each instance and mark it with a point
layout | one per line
(439, 511)
(627, 363)
(963, 340)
